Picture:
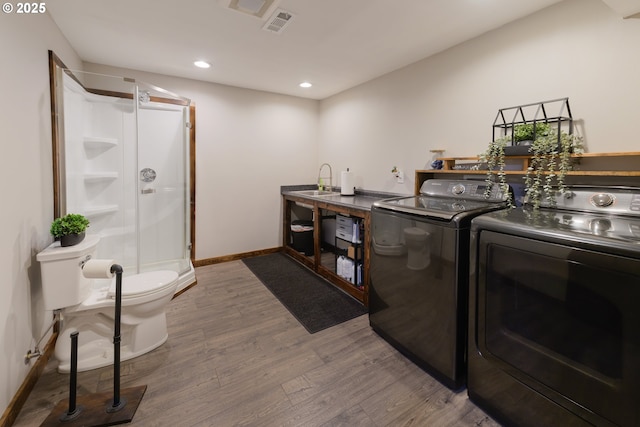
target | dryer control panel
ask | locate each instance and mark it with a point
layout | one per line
(608, 200)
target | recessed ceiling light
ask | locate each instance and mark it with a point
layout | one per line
(202, 64)
(305, 84)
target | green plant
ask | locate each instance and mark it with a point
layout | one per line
(551, 160)
(530, 131)
(494, 158)
(68, 224)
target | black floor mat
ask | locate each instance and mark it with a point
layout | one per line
(316, 303)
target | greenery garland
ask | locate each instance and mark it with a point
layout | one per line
(550, 161)
(495, 158)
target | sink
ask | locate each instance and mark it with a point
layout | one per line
(315, 192)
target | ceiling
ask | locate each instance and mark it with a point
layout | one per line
(334, 44)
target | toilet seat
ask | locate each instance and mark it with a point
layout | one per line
(143, 284)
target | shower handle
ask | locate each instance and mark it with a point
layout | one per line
(148, 191)
(147, 175)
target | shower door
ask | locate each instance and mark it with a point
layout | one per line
(122, 158)
(162, 186)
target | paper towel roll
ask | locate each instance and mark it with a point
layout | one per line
(346, 183)
(98, 269)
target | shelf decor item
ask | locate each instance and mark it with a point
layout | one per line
(69, 229)
(494, 158)
(550, 162)
(436, 162)
(526, 133)
(521, 125)
(549, 140)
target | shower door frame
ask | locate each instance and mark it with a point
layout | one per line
(57, 138)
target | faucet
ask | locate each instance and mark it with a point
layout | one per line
(320, 185)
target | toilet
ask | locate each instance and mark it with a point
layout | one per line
(88, 307)
(418, 252)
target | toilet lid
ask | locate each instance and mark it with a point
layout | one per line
(415, 231)
(144, 283)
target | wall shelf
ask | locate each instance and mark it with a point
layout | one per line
(599, 166)
(451, 164)
(99, 142)
(96, 211)
(100, 177)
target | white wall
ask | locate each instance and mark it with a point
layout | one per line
(248, 144)
(578, 49)
(27, 185)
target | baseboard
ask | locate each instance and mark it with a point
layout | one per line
(13, 410)
(233, 257)
(182, 291)
(226, 258)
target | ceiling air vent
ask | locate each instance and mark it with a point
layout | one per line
(257, 8)
(278, 21)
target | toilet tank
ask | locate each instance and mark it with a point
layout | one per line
(63, 284)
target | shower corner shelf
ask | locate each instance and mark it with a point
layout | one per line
(96, 211)
(100, 177)
(99, 142)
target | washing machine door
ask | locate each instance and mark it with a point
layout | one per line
(414, 301)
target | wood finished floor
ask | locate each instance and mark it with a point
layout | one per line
(236, 357)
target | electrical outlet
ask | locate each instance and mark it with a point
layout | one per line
(400, 177)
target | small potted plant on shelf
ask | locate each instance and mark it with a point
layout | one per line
(526, 133)
(69, 229)
(550, 152)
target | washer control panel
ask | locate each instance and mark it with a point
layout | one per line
(468, 190)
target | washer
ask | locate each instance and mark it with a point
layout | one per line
(419, 272)
(554, 321)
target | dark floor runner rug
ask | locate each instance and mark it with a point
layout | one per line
(312, 300)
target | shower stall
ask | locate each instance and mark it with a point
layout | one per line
(122, 157)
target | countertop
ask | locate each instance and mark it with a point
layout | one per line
(362, 200)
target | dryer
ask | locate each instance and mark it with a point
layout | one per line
(554, 322)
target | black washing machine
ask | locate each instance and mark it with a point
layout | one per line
(419, 272)
(554, 323)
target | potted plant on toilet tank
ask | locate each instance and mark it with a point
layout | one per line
(69, 229)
